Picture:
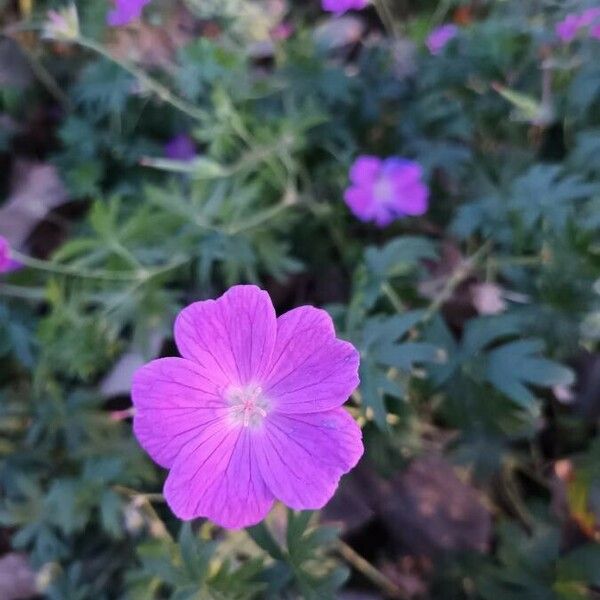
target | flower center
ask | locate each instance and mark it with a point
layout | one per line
(384, 190)
(248, 405)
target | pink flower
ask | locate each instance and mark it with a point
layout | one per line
(342, 6)
(573, 23)
(568, 28)
(180, 147)
(252, 412)
(7, 263)
(439, 37)
(125, 12)
(589, 17)
(386, 190)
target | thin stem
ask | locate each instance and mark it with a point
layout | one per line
(370, 572)
(50, 267)
(441, 11)
(162, 91)
(46, 78)
(248, 161)
(144, 501)
(517, 261)
(385, 15)
(393, 297)
(460, 274)
(140, 275)
(135, 494)
(240, 129)
(512, 495)
(260, 219)
(25, 293)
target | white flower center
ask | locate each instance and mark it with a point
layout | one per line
(248, 405)
(384, 190)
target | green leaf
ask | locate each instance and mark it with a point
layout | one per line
(373, 387)
(482, 331)
(195, 553)
(514, 365)
(404, 356)
(296, 526)
(581, 565)
(263, 538)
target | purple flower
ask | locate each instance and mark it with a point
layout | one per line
(252, 412)
(180, 147)
(588, 17)
(568, 28)
(595, 32)
(125, 12)
(439, 37)
(573, 23)
(7, 263)
(386, 190)
(342, 6)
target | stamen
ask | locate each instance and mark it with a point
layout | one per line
(248, 405)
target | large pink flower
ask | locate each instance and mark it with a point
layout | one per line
(7, 263)
(252, 412)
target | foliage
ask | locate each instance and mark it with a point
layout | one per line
(506, 123)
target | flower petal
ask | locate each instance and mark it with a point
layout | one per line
(302, 457)
(415, 200)
(361, 202)
(232, 337)
(312, 371)
(365, 170)
(174, 400)
(216, 476)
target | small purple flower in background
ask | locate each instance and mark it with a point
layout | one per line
(591, 18)
(439, 37)
(180, 147)
(125, 12)
(386, 190)
(252, 412)
(568, 29)
(7, 263)
(588, 17)
(342, 6)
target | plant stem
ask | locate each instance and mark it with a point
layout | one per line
(25, 293)
(362, 565)
(260, 218)
(441, 11)
(135, 494)
(160, 90)
(460, 274)
(140, 275)
(45, 78)
(387, 18)
(393, 297)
